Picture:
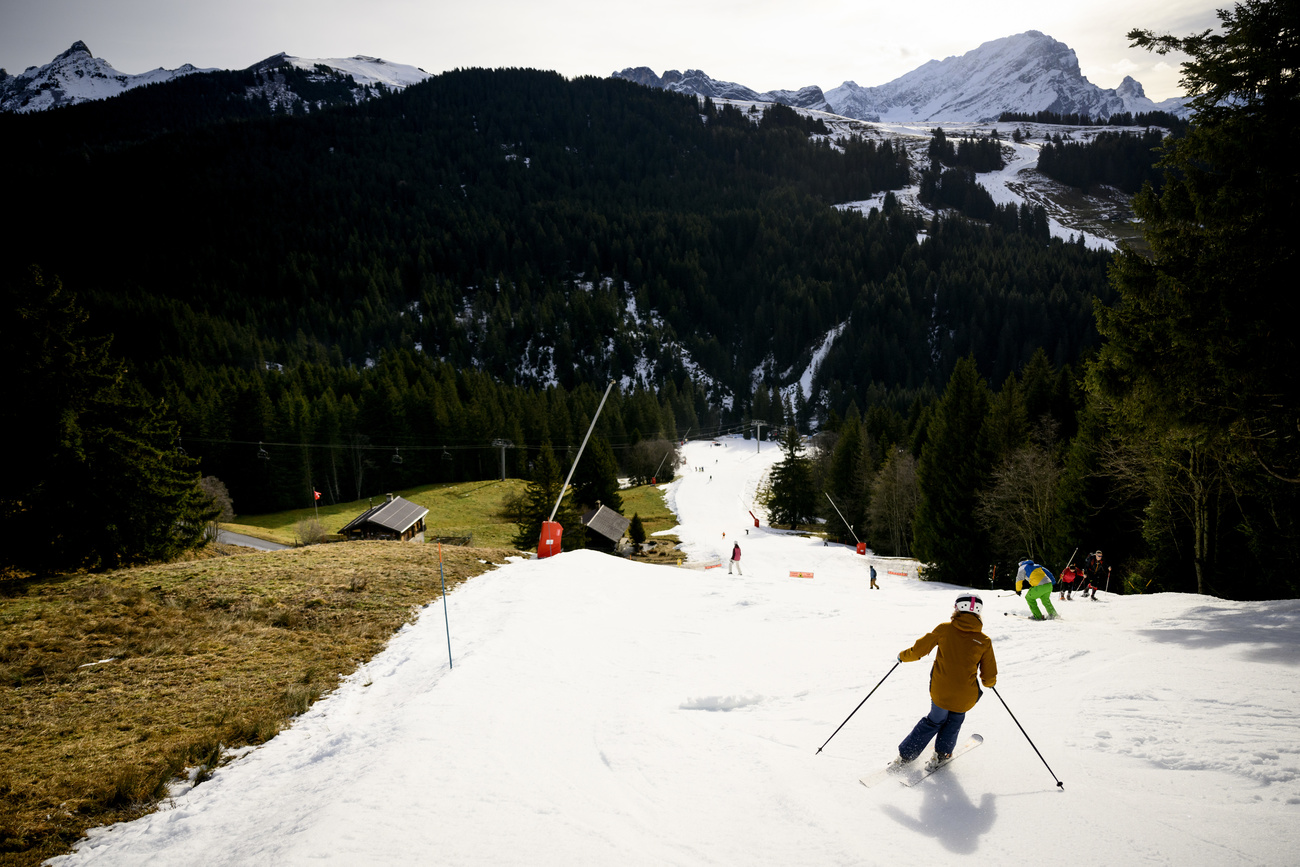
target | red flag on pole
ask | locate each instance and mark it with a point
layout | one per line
(317, 493)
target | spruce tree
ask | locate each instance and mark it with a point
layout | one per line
(636, 531)
(1198, 367)
(100, 480)
(793, 498)
(954, 466)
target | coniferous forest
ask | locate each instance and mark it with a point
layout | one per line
(367, 296)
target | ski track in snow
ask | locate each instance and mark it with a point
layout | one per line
(607, 712)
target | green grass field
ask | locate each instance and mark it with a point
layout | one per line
(459, 509)
(111, 684)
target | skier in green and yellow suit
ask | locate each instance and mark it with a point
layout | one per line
(1040, 582)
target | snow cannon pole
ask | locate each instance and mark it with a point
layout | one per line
(445, 619)
(1060, 785)
(661, 463)
(860, 704)
(842, 518)
(569, 477)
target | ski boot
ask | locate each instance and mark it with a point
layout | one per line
(899, 764)
(936, 760)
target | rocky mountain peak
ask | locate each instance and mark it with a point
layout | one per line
(1026, 72)
(78, 48)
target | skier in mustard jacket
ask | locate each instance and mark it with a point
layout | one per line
(1040, 581)
(964, 651)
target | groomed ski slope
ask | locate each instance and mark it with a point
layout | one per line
(602, 712)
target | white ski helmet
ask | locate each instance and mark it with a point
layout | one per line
(969, 602)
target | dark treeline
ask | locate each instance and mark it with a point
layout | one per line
(275, 437)
(976, 153)
(464, 216)
(1119, 159)
(997, 295)
(506, 220)
(1171, 122)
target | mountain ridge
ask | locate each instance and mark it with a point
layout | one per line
(1026, 72)
(76, 76)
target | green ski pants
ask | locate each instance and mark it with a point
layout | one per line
(1044, 592)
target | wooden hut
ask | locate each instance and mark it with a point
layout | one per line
(396, 519)
(605, 528)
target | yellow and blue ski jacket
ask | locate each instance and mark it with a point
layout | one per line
(1032, 574)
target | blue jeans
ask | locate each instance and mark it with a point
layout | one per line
(946, 723)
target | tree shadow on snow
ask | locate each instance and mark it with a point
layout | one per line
(948, 815)
(1267, 634)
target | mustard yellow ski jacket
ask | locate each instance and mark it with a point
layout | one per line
(964, 649)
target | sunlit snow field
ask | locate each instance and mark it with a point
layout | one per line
(606, 712)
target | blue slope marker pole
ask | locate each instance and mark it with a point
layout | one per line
(444, 606)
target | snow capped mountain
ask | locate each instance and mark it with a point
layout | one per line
(78, 76)
(366, 71)
(1028, 72)
(697, 82)
(370, 77)
(75, 76)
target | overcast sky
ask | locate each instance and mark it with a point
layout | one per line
(762, 44)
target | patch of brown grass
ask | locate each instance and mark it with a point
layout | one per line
(112, 684)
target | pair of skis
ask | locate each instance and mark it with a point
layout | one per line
(910, 776)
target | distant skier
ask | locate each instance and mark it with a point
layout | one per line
(964, 652)
(1071, 574)
(1098, 575)
(735, 559)
(874, 585)
(1040, 581)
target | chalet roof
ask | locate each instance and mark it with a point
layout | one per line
(395, 514)
(606, 522)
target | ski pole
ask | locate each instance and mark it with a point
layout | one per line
(860, 704)
(1061, 574)
(1060, 785)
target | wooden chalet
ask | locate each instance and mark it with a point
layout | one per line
(396, 519)
(605, 528)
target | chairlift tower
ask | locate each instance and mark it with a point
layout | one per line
(503, 445)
